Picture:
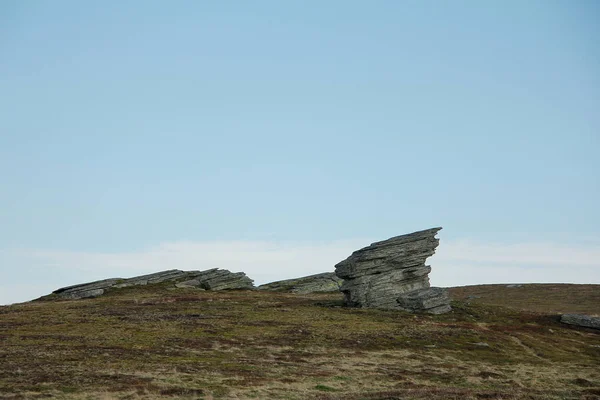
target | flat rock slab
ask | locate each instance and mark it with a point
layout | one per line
(587, 321)
(434, 300)
(318, 283)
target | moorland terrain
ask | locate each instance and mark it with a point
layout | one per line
(154, 341)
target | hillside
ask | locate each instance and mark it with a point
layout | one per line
(153, 341)
(550, 298)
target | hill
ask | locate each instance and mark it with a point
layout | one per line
(154, 341)
(550, 298)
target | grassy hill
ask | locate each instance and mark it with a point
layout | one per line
(549, 298)
(150, 342)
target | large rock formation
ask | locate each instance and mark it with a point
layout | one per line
(392, 274)
(212, 279)
(325, 282)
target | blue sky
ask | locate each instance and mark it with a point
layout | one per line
(127, 128)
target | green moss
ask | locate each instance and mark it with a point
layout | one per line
(324, 388)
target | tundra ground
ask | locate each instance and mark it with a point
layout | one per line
(151, 342)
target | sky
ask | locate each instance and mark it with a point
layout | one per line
(275, 138)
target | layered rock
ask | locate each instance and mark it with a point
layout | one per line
(221, 279)
(212, 279)
(392, 274)
(434, 300)
(157, 277)
(325, 282)
(587, 321)
(85, 290)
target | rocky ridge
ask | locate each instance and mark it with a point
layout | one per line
(392, 274)
(325, 282)
(212, 279)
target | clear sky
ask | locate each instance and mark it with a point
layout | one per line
(275, 137)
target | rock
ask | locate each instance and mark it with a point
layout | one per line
(587, 321)
(512, 286)
(212, 279)
(192, 283)
(87, 290)
(325, 282)
(432, 301)
(392, 274)
(157, 277)
(221, 279)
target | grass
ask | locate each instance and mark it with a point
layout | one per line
(150, 342)
(550, 298)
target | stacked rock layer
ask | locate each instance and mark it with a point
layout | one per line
(212, 279)
(392, 274)
(325, 282)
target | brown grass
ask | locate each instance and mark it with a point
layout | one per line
(550, 298)
(151, 342)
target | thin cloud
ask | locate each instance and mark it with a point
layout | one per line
(522, 253)
(34, 272)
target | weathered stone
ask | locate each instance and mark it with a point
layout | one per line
(86, 290)
(192, 283)
(325, 282)
(587, 321)
(390, 274)
(213, 279)
(157, 277)
(433, 300)
(221, 279)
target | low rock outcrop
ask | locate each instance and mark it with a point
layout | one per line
(392, 274)
(434, 300)
(85, 290)
(325, 282)
(212, 279)
(581, 320)
(221, 279)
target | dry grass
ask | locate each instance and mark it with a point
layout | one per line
(151, 342)
(551, 298)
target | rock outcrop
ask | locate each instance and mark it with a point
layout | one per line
(325, 282)
(212, 279)
(434, 300)
(86, 290)
(392, 274)
(221, 279)
(587, 321)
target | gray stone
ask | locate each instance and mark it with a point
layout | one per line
(157, 277)
(221, 279)
(213, 279)
(86, 290)
(192, 283)
(433, 301)
(392, 274)
(587, 321)
(325, 282)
